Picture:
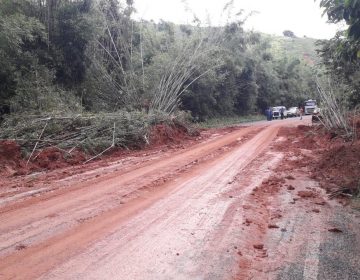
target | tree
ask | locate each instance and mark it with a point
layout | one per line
(73, 29)
(288, 33)
(348, 10)
(21, 40)
(340, 55)
(56, 52)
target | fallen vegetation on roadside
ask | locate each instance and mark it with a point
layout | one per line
(49, 142)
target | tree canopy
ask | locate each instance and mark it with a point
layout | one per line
(61, 55)
(340, 55)
(348, 10)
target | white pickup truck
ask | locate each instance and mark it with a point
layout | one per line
(276, 112)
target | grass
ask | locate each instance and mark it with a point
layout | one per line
(230, 121)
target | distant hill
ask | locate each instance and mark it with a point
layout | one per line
(301, 48)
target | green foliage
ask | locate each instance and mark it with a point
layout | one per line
(73, 29)
(348, 10)
(60, 56)
(41, 54)
(257, 71)
(229, 121)
(19, 39)
(340, 55)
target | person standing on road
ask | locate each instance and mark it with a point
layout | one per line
(282, 113)
(301, 112)
(268, 114)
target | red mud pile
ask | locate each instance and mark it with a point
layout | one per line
(340, 166)
(332, 161)
(13, 163)
(10, 158)
(53, 158)
(163, 134)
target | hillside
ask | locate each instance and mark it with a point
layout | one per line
(302, 48)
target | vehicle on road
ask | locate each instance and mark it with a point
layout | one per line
(293, 112)
(310, 107)
(277, 112)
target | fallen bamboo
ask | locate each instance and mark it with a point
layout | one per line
(112, 146)
(42, 132)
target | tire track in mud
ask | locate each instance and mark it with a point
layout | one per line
(206, 177)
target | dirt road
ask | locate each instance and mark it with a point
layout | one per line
(218, 209)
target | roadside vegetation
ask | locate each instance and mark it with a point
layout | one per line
(339, 84)
(229, 121)
(63, 60)
(85, 74)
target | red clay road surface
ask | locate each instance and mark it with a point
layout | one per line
(200, 212)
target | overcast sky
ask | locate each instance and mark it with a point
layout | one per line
(303, 17)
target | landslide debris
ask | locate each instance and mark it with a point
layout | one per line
(35, 143)
(332, 160)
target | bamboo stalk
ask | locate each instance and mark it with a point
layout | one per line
(36, 144)
(107, 149)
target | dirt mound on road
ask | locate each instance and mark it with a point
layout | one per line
(10, 158)
(12, 161)
(53, 158)
(9, 150)
(163, 134)
(340, 165)
(332, 161)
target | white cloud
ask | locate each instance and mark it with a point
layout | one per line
(303, 17)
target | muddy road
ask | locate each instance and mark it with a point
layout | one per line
(218, 209)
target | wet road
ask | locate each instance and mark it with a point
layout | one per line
(178, 216)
